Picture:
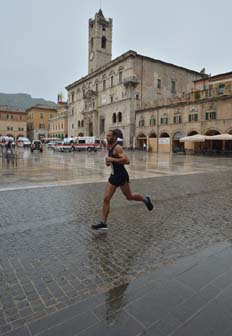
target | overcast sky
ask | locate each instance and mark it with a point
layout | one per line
(44, 43)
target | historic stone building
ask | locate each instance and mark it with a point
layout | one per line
(58, 124)
(207, 110)
(37, 121)
(113, 90)
(12, 123)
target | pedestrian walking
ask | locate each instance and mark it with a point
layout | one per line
(119, 177)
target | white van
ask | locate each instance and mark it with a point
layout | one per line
(81, 143)
(23, 142)
(87, 143)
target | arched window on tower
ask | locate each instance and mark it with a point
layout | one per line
(119, 116)
(103, 42)
(92, 43)
(114, 118)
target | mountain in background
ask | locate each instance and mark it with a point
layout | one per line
(22, 101)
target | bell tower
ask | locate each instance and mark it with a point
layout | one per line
(100, 41)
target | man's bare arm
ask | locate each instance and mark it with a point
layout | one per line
(122, 157)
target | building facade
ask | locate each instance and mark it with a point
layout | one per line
(12, 123)
(113, 90)
(37, 121)
(58, 125)
(206, 110)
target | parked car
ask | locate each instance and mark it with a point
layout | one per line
(57, 147)
(23, 142)
(50, 144)
(36, 145)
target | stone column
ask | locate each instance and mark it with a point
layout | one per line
(86, 125)
(130, 84)
(96, 130)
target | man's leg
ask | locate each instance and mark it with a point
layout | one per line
(136, 197)
(128, 194)
(109, 192)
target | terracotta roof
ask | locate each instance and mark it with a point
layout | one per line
(225, 74)
(41, 107)
(11, 111)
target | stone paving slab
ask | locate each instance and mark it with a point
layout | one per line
(50, 259)
(151, 306)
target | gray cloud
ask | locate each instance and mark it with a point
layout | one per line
(44, 43)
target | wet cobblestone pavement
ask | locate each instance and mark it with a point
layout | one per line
(50, 259)
(55, 168)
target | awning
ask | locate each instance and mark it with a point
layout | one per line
(202, 138)
(219, 137)
(194, 138)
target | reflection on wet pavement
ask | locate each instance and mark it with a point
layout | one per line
(53, 168)
(50, 259)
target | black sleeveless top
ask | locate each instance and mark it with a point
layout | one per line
(117, 169)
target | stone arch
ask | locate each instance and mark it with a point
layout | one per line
(192, 132)
(164, 135)
(10, 135)
(152, 142)
(212, 131)
(141, 139)
(164, 142)
(177, 146)
(141, 135)
(112, 73)
(152, 135)
(213, 145)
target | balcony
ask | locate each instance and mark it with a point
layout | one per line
(90, 94)
(131, 81)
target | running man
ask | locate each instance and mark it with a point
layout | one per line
(118, 178)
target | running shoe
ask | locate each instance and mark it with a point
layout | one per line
(148, 203)
(99, 226)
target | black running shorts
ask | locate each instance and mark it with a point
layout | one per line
(119, 180)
